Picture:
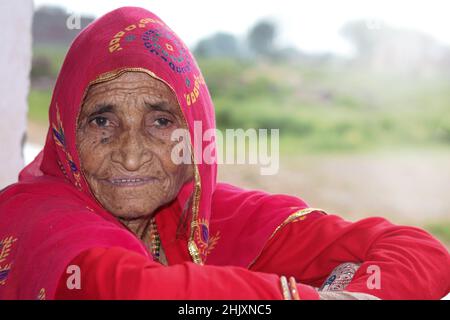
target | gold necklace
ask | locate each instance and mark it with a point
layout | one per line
(155, 241)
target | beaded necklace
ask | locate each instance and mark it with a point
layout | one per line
(155, 241)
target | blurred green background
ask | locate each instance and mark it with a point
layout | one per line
(360, 136)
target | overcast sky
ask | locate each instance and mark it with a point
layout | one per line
(311, 26)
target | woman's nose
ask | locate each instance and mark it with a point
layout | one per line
(132, 152)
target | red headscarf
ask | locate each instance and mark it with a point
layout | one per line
(50, 215)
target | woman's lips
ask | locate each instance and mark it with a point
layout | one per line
(130, 181)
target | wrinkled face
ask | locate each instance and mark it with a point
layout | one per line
(124, 143)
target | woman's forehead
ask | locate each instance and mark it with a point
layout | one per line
(136, 85)
(132, 81)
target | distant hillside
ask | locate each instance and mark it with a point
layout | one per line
(50, 26)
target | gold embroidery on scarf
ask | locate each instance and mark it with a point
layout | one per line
(212, 242)
(192, 96)
(195, 228)
(60, 140)
(296, 216)
(5, 266)
(205, 248)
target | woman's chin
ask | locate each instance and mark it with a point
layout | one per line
(132, 213)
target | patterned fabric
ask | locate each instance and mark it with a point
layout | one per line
(340, 277)
(334, 287)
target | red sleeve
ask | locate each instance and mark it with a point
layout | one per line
(116, 273)
(412, 264)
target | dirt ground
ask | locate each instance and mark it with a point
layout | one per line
(411, 188)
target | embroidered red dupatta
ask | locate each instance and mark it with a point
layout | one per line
(50, 215)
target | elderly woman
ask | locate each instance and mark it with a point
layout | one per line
(105, 213)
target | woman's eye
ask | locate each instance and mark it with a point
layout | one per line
(162, 122)
(100, 121)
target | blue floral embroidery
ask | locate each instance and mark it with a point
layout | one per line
(205, 233)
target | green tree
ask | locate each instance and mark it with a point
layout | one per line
(218, 45)
(261, 38)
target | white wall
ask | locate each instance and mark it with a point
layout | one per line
(15, 63)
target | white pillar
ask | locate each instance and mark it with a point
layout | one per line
(15, 63)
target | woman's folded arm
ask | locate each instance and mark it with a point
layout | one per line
(396, 262)
(117, 273)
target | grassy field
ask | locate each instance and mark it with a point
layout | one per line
(327, 107)
(336, 111)
(440, 230)
(333, 110)
(39, 101)
(53, 54)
